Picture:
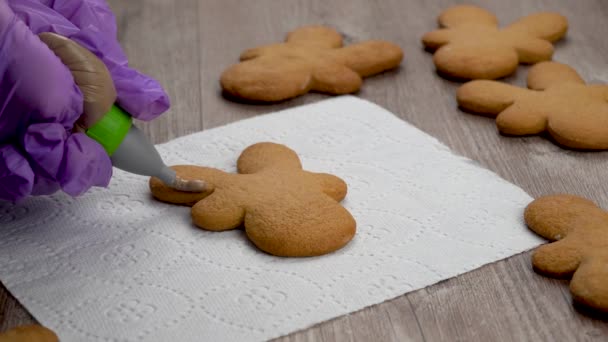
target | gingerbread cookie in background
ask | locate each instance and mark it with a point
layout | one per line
(312, 58)
(286, 211)
(574, 113)
(580, 231)
(29, 333)
(471, 46)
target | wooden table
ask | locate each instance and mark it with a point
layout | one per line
(187, 43)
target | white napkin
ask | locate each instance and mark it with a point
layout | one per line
(115, 265)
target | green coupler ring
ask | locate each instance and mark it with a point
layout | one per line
(111, 129)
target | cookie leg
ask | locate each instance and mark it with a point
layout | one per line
(487, 97)
(589, 131)
(521, 120)
(589, 285)
(335, 79)
(545, 74)
(217, 213)
(369, 58)
(533, 50)
(558, 259)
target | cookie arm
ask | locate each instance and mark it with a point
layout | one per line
(435, 39)
(545, 74)
(368, 58)
(558, 259)
(546, 25)
(331, 185)
(487, 97)
(553, 216)
(167, 194)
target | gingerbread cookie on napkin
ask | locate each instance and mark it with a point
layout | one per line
(471, 46)
(311, 59)
(574, 113)
(286, 211)
(580, 231)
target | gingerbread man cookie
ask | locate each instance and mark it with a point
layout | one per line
(471, 46)
(29, 333)
(286, 211)
(311, 59)
(575, 114)
(580, 230)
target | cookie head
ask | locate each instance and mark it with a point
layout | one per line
(579, 231)
(285, 210)
(471, 46)
(311, 59)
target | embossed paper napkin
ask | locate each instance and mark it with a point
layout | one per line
(115, 265)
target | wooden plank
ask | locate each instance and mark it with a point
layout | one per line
(12, 313)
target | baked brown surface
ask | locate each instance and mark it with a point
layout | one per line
(559, 102)
(471, 46)
(312, 58)
(579, 230)
(29, 333)
(286, 211)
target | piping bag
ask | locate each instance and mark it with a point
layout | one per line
(131, 151)
(107, 123)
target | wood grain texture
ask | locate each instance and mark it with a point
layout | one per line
(186, 44)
